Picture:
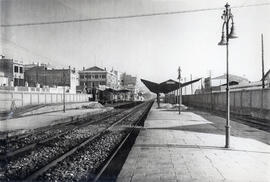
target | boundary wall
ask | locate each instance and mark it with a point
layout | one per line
(12, 99)
(252, 103)
(58, 89)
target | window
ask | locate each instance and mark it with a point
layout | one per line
(96, 76)
(21, 69)
(81, 76)
(89, 84)
(16, 69)
(103, 76)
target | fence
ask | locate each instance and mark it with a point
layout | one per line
(11, 99)
(253, 103)
(58, 89)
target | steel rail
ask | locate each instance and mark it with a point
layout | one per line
(97, 177)
(70, 128)
(52, 163)
(244, 119)
(46, 128)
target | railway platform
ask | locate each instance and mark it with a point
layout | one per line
(49, 115)
(190, 147)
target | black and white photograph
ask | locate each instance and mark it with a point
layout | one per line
(135, 90)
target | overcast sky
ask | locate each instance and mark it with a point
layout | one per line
(148, 47)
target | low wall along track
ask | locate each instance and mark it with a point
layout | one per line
(251, 103)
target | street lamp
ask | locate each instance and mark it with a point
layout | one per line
(227, 17)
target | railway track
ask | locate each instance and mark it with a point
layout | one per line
(23, 142)
(247, 120)
(259, 124)
(32, 161)
(38, 153)
(98, 176)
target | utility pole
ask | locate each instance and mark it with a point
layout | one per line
(176, 92)
(201, 86)
(211, 91)
(43, 76)
(64, 91)
(64, 99)
(210, 78)
(191, 85)
(180, 90)
(263, 83)
(185, 87)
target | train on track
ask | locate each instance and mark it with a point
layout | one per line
(114, 96)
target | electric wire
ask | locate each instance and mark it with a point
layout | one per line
(30, 52)
(126, 16)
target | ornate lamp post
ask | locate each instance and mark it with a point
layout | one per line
(227, 17)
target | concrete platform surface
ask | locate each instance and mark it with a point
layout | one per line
(55, 107)
(187, 147)
(41, 120)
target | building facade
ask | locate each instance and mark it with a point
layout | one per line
(35, 64)
(129, 82)
(267, 78)
(41, 76)
(11, 72)
(93, 78)
(219, 83)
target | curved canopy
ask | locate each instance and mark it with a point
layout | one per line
(167, 86)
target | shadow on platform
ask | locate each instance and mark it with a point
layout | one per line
(212, 129)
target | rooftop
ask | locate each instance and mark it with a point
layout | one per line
(94, 68)
(232, 78)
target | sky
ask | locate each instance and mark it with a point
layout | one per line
(147, 47)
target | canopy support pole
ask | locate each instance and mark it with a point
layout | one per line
(158, 100)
